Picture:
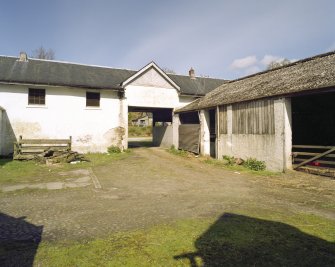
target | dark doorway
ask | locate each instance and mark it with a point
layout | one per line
(212, 132)
(313, 119)
(313, 133)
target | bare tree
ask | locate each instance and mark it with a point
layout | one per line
(168, 70)
(42, 53)
(275, 64)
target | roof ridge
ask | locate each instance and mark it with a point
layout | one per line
(284, 66)
(68, 62)
(212, 78)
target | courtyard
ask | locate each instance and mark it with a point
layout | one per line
(149, 207)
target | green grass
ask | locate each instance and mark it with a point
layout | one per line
(178, 152)
(13, 171)
(221, 163)
(229, 240)
(135, 131)
(238, 168)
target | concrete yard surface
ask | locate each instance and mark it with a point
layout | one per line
(151, 186)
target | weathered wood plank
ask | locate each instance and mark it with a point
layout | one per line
(316, 157)
(189, 137)
(319, 161)
(223, 120)
(312, 154)
(44, 141)
(44, 146)
(309, 146)
(255, 117)
(35, 146)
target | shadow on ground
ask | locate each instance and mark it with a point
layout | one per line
(236, 240)
(4, 161)
(19, 241)
(135, 144)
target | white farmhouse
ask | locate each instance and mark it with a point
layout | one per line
(51, 99)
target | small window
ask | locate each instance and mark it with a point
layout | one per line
(36, 96)
(92, 99)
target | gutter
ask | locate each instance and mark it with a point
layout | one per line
(118, 89)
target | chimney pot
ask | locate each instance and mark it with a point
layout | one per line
(23, 56)
(192, 73)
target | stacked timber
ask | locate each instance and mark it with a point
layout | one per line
(49, 151)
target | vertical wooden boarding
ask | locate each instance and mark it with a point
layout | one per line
(70, 143)
(255, 117)
(222, 119)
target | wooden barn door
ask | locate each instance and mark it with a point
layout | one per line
(189, 132)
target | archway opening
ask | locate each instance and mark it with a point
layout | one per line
(148, 127)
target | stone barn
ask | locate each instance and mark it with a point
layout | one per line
(284, 116)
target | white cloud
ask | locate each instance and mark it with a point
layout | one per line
(243, 63)
(252, 70)
(267, 59)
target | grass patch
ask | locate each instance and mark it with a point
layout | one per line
(229, 240)
(178, 152)
(238, 168)
(135, 131)
(13, 171)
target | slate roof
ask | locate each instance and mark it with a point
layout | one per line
(199, 86)
(309, 74)
(47, 72)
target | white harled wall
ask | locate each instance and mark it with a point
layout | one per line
(274, 149)
(65, 114)
(151, 90)
(92, 129)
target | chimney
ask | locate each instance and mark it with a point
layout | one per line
(191, 73)
(23, 57)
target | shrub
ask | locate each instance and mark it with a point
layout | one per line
(114, 150)
(179, 152)
(228, 160)
(254, 164)
(136, 131)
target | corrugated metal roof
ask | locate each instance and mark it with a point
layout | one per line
(47, 72)
(308, 74)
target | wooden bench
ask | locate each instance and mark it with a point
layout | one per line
(37, 146)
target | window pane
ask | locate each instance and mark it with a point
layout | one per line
(36, 96)
(92, 99)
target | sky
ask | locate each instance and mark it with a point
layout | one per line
(221, 39)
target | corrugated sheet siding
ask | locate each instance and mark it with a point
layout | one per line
(222, 119)
(255, 117)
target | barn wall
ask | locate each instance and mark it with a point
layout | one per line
(151, 89)
(204, 133)
(264, 133)
(162, 136)
(7, 136)
(1, 133)
(65, 114)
